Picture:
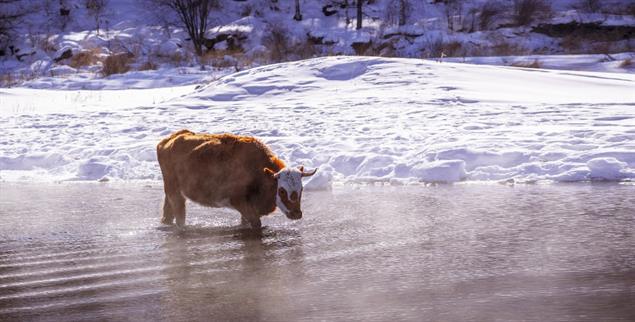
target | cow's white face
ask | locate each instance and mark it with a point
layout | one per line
(289, 192)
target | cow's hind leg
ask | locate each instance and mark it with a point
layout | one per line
(177, 202)
(168, 214)
(173, 204)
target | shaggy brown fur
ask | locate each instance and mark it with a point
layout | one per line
(217, 170)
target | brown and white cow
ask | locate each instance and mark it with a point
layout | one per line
(226, 170)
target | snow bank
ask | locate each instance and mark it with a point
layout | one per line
(358, 119)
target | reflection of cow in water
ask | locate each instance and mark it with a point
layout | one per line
(225, 170)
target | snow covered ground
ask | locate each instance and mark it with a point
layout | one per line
(45, 44)
(613, 63)
(359, 119)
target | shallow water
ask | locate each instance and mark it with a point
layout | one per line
(462, 252)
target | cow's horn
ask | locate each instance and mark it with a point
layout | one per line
(308, 174)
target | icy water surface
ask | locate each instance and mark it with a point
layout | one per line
(444, 253)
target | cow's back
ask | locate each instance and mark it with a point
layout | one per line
(212, 168)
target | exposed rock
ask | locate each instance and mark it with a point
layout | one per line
(62, 54)
(234, 41)
(590, 30)
(20, 56)
(318, 40)
(329, 10)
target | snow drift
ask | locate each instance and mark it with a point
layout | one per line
(359, 119)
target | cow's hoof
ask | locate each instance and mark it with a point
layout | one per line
(255, 224)
(167, 221)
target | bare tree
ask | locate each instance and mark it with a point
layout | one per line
(96, 9)
(403, 8)
(193, 14)
(591, 5)
(298, 14)
(10, 14)
(526, 11)
(348, 19)
(359, 14)
(453, 8)
(490, 11)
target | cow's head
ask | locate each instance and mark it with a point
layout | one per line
(289, 190)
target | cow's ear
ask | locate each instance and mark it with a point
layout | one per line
(270, 173)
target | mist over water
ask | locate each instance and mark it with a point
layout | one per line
(449, 252)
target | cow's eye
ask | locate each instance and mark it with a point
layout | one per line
(282, 192)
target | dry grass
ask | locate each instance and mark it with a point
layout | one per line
(116, 64)
(148, 65)
(13, 79)
(7, 80)
(627, 63)
(177, 59)
(218, 58)
(84, 58)
(504, 48)
(524, 64)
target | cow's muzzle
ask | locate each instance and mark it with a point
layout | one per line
(294, 215)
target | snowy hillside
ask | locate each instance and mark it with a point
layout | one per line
(61, 39)
(359, 119)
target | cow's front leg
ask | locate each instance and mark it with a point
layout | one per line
(247, 214)
(243, 221)
(255, 222)
(251, 220)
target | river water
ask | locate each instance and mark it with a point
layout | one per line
(437, 253)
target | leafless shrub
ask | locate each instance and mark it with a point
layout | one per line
(116, 64)
(282, 48)
(571, 44)
(489, 12)
(433, 48)
(96, 9)
(276, 42)
(453, 48)
(526, 11)
(603, 47)
(42, 41)
(301, 49)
